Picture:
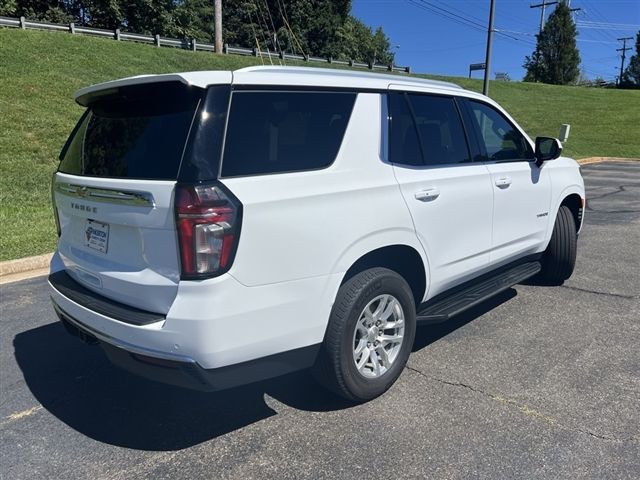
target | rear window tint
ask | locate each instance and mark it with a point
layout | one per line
(277, 132)
(440, 129)
(135, 133)
(404, 145)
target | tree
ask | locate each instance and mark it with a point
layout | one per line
(8, 8)
(556, 59)
(36, 9)
(323, 28)
(631, 75)
(192, 19)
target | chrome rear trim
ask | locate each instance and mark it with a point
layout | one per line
(106, 195)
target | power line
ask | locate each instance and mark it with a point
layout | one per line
(515, 32)
(285, 18)
(596, 15)
(460, 19)
(466, 14)
(424, 5)
(261, 19)
(594, 41)
(255, 36)
(607, 26)
(275, 34)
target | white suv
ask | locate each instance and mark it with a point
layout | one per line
(218, 228)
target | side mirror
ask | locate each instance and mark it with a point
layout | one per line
(547, 148)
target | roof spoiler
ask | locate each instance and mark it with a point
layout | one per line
(87, 95)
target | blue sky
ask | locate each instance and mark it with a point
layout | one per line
(433, 44)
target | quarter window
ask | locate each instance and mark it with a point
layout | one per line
(501, 139)
(277, 132)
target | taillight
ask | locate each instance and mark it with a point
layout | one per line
(53, 204)
(208, 222)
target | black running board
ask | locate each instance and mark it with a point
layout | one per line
(442, 307)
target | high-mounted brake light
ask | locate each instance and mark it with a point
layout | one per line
(208, 222)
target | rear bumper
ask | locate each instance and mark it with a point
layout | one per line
(226, 331)
(183, 371)
(75, 292)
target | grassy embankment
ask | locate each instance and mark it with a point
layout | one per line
(39, 71)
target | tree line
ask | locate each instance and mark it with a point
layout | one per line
(323, 28)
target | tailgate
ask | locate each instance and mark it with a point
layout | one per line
(118, 238)
(114, 193)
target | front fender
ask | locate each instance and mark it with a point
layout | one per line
(555, 206)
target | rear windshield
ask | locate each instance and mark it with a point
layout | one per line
(277, 132)
(137, 132)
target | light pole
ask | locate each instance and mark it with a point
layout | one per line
(485, 87)
(396, 48)
(217, 11)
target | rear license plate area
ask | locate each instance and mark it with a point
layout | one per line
(96, 235)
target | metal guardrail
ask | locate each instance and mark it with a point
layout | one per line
(186, 44)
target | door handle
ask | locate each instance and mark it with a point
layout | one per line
(503, 182)
(427, 195)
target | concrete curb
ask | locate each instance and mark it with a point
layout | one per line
(25, 264)
(23, 268)
(589, 160)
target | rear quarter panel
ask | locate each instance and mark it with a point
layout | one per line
(306, 224)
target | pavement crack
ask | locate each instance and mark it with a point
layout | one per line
(596, 292)
(20, 415)
(619, 189)
(524, 409)
(453, 384)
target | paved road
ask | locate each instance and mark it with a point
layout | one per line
(539, 382)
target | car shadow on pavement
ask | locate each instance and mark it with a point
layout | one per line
(77, 384)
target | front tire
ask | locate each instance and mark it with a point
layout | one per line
(369, 337)
(559, 259)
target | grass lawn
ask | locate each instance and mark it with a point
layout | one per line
(39, 71)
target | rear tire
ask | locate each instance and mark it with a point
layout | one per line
(559, 259)
(369, 337)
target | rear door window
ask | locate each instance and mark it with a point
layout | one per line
(440, 129)
(139, 132)
(278, 131)
(404, 145)
(426, 130)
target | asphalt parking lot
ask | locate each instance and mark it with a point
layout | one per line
(539, 382)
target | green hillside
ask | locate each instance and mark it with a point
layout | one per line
(39, 71)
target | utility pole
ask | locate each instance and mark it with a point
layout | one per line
(624, 55)
(545, 4)
(487, 71)
(572, 10)
(542, 6)
(217, 11)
